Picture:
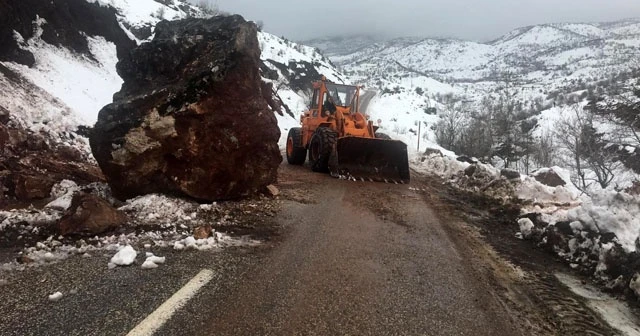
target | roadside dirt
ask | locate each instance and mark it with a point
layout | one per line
(521, 273)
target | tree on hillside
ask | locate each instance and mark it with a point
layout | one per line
(586, 150)
(208, 7)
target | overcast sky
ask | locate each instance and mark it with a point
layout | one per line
(467, 19)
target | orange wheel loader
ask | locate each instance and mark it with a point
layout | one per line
(341, 141)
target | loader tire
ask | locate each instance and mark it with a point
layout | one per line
(321, 147)
(296, 153)
(383, 136)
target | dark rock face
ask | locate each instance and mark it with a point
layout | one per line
(67, 22)
(30, 166)
(192, 117)
(549, 178)
(89, 215)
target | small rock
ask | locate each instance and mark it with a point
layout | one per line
(178, 246)
(30, 187)
(202, 232)
(90, 215)
(469, 171)
(273, 190)
(23, 259)
(549, 178)
(510, 174)
(111, 265)
(55, 296)
(147, 246)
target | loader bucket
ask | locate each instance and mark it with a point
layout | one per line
(370, 159)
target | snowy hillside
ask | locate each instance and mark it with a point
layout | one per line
(294, 67)
(540, 67)
(76, 85)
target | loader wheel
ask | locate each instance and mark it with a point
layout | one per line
(382, 136)
(296, 153)
(320, 148)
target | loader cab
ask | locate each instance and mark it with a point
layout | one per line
(345, 97)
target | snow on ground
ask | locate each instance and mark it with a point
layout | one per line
(138, 14)
(55, 296)
(125, 256)
(82, 84)
(163, 221)
(615, 312)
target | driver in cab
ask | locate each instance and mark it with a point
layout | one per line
(329, 105)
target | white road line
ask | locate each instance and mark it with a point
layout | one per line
(161, 315)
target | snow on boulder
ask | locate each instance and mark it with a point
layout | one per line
(125, 257)
(193, 116)
(89, 215)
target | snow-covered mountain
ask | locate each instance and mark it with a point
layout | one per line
(545, 68)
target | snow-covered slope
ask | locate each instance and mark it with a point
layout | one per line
(541, 66)
(73, 86)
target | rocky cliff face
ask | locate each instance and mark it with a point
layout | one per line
(193, 116)
(68, 22)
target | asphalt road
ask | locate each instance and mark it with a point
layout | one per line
(348, 268)
(351, 258)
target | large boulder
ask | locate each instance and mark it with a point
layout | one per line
(193, 117)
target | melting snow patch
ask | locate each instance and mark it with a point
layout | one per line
(615, 312)
(125, 257)
(526, 227)
(152, 261)
(55, 296)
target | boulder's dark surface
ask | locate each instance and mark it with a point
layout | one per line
(89, 215)
(193, 117)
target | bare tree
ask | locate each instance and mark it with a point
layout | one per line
(568, 135)
(208, 7)
(587, 151)
(545, 151)
(450, 127)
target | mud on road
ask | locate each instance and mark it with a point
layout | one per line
(521, 273)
